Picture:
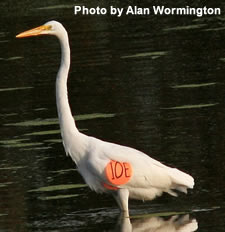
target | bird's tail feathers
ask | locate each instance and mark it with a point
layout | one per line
(180, 180)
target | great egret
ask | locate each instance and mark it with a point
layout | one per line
(107, 167)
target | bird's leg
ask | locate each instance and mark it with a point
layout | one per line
(122, 196)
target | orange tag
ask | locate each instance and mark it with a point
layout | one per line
(110, 187)
(118, 173)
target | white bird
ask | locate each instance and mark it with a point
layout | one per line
(107, 167)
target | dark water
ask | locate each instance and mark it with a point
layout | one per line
(155, 83)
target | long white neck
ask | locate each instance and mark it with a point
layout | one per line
(73, 141)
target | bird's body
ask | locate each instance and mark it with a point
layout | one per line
(150, 178)
(107, 167)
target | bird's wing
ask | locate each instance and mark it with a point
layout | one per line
(146, 172)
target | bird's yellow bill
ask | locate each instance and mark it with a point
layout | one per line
(34, 32)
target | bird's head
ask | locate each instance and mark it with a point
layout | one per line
(49, 28)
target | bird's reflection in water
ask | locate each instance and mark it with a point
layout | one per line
(175, 223)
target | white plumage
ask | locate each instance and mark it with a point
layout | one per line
(149, 178)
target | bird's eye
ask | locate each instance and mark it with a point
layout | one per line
(49, 27)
